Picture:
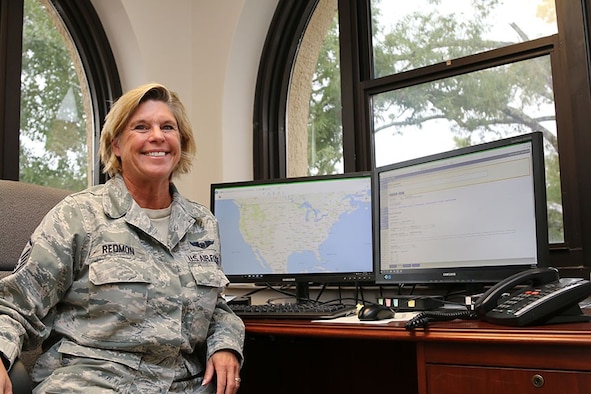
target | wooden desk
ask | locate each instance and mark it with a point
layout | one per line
(448, 357)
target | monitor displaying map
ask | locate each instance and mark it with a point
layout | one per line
(296, 229)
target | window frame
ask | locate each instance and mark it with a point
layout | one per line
(86, 30)
(569, 52)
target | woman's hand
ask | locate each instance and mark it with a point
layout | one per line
(226, 366)
(5, 383)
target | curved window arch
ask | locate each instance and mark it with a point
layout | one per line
(76, 102)
(270, 104)
(564, 55)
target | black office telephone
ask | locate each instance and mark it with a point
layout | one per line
(535, 296)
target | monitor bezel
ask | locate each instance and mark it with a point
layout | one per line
(362, 277)
(480, 275)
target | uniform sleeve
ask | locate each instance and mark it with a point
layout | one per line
(43, 275)
(226, 331)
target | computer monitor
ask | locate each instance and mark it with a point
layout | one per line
(471, 215)
(296, 230)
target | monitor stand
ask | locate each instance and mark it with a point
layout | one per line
(302, 292)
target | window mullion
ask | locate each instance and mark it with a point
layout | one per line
(355, 67)
(11, 17)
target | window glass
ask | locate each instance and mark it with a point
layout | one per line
(470, 109)
(315, 135)
(412, 34)
(55, 127)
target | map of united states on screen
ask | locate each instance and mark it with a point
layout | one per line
(301, 228)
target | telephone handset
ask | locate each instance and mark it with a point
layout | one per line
(537, 276)
(536, 296)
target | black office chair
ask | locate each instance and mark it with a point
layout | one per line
(20, 378)
(22, 207)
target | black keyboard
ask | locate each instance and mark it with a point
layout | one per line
(309, 311)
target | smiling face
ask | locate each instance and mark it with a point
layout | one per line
(150, 146)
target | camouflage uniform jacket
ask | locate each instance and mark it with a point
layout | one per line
(97, 282)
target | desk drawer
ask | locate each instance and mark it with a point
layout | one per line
(455, 379)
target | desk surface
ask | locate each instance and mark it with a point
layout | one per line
(454, 331)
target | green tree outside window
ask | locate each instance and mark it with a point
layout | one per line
(446, 113)
(54, 134)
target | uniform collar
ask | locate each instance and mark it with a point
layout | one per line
(118, 202)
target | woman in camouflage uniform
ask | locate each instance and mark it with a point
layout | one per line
(122, 282)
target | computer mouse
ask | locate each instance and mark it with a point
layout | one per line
(375, 312)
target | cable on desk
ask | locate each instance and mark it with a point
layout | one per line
(359, 297)
(425, 317)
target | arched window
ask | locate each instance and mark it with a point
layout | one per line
(347, 86)
(58, 82)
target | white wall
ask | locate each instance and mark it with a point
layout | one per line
(207, 51)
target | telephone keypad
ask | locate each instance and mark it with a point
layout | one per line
(519, 304)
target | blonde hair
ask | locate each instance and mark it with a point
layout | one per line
(124, 108)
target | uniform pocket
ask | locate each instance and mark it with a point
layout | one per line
(131, 360)
(208, 274)
(118, 293)
(209, 281)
